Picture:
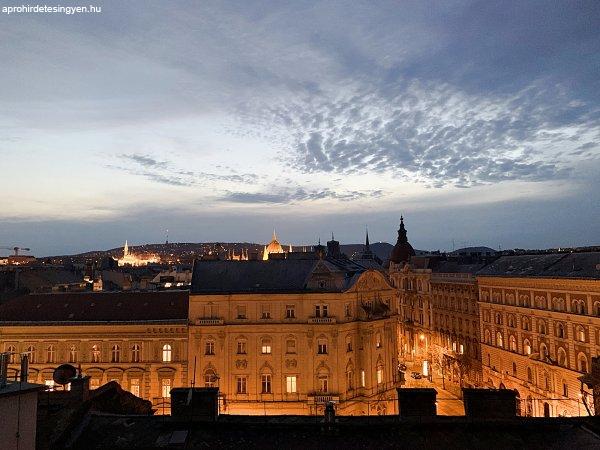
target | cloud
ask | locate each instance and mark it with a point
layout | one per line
(287, 196)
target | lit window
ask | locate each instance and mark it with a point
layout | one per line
(72, 354)
(50, 352)
(11, 350)
(31, 354)
(209, 348)
(116, 354)
(323, 384)
(94, 383)
(49, 385)
(95, 353)
(290, 384)
(580, 334)
(266, 383)
(135, 353)
(242, 383)
(134, 386)
(378, 340)
(499, 340)
(266, 347)
(290, 312)
(167, 353)
(527, 347)
(363, 381)
(265, 312)
(379, 375)
(166, 387)
(210, 378)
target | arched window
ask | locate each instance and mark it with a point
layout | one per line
(525, 322)
(597, 309)
(562, 357)
(73, 353)
(582, 363)
(11, 350)
(167, 353)
(580, 334)
(348, 343)
(560, 330)
(487, 337)
(349, 379)
(499, 340)
(50, 353)
(529, 375)
(135, 353)
(31, 354)
(512, 344)
(527, 347)
(115, 354)
(511, 321)
(542, 327)
(498, 319)
(95, 353)
(378, 341)
(543, 351)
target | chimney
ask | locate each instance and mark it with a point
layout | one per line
(198, 404)
(417, 402)
(80, 388)
(24, 368)
(490, 403)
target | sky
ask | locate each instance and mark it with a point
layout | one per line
(479, 121)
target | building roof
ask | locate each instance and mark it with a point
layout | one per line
(38, 278)
(88, 307)
(554, 265)
(456, 267)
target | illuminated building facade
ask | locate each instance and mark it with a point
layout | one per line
(540, 325)
(273, 247)
(285, 336)
(137, 339)
(134, 259)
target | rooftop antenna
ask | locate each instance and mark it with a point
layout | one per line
(167, 239)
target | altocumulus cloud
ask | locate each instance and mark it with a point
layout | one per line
(285, 196)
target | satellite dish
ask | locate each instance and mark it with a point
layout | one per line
(63, 373)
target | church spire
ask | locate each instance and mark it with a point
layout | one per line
(126, 249)
(367, 238)
(402, 231)
(367, 253)
(274, 235)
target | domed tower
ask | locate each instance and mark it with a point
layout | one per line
(402, 250)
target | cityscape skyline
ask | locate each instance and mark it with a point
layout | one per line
(307, 117)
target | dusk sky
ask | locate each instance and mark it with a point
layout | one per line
(478, 121)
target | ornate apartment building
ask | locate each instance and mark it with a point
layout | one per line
(438, 315)
(285, 336)
(137, 339)
(540, 325)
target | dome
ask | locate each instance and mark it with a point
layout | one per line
(402, 250)
(272, 247)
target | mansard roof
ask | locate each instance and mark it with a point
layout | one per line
(274, 275)
(91, 307)
(554, 265)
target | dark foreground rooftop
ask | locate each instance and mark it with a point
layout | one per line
(305, 432)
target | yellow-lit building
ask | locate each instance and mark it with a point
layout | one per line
(138, 339)
(540, 326)
(285, 336)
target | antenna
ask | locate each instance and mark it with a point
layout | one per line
(167, 236)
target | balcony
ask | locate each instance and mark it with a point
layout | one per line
(323, 398)
(209, 321)
(320, 320)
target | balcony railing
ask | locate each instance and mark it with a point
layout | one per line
(209, 321)
(323, 398)
(318, 320)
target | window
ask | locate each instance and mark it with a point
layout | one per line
(135, 353)
(49, 385)
(499, 340)
(379, 375)
(525, 322)
(11, 350)
(265, 312)
(542, 327)
(266, 347)
(166, 387)
(321, 310)
(323, 383)
(512, 344)
(265, 381)
(72, 354)
(95, 353)
(209, 348)
(290, 312)
(211, 311)
(527, 347)
(580, 334)
(487, 337)
(167, 353)
(560, 331)
(210, 378)
(290, 384)
(50, 353)
(322, 347)
(562, 357)
(363, 381)
(349, 343)
(115, 354)
(543, 351)
(565, 389)
(290, 346)
(242, 384)
(378, 343)
(241, 347)
(134, 386)
(241, 311)
(349, 380)
(94, 383)
(529, 375)
(582, 363)
(348, 310)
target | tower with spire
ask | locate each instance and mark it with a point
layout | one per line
(367, 253)
(402, 251)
